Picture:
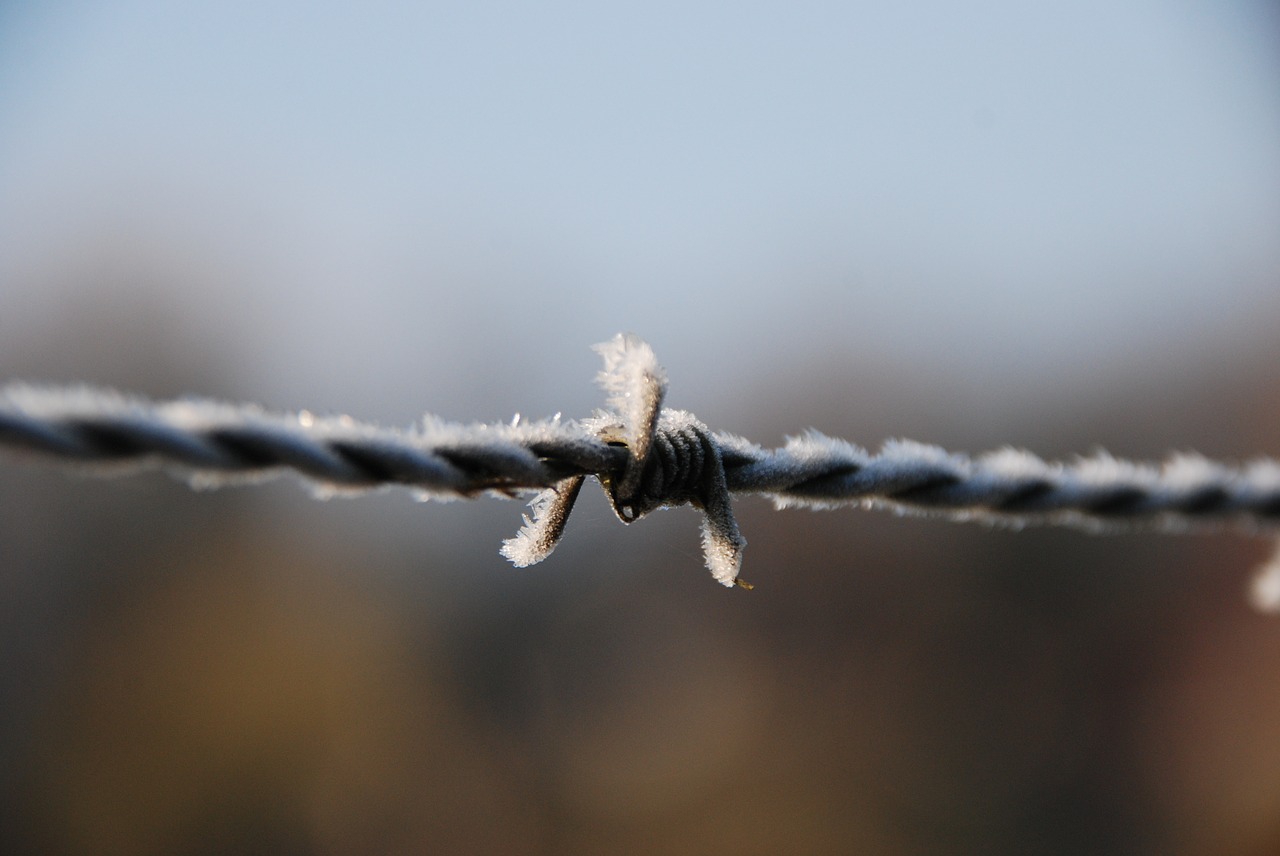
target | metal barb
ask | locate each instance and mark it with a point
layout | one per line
(671, 459)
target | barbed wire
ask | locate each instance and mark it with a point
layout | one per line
(645, 456)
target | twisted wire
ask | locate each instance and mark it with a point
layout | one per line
(1009, 485)
(644, 455)
(214, 442)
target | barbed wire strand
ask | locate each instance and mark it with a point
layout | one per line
(644, 455)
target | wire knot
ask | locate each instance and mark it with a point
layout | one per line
(672, 459)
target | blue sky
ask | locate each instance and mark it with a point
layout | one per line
(337, 191)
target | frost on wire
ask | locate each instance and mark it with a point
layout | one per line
(645, 456)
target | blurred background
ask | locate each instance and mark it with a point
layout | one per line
(972, 225)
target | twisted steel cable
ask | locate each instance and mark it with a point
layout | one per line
(214, 443)
(645, 456)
